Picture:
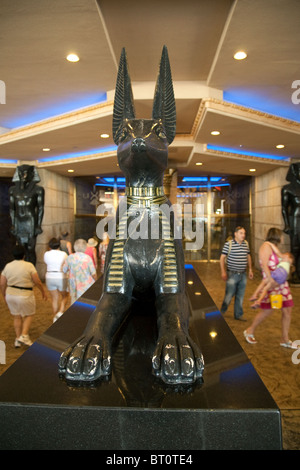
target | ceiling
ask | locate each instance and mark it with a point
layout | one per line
(48, 102)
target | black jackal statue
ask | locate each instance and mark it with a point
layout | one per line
(136, 266)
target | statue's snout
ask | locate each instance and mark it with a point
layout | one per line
(138, 145)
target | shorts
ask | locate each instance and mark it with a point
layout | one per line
(60, 284)
(21, 304)
(279, 275)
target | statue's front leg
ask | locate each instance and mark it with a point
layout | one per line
(176, 359)
(89, 357)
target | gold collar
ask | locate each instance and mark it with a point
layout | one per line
(145, 196)
(144, 191)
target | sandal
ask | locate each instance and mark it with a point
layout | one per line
(290, 344)
(255, 305)
(249, 338)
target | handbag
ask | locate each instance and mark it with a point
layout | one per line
(276, 301)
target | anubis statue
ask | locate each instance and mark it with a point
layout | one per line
(136, 267)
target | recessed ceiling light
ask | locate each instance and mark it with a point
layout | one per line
(104, 136)
(215, 133)
(70, 171)
(240, 55)
(46, 149)
(280, 146)
(199, 163)
(252, 169)
(72, 58)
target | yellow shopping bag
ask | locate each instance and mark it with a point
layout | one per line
(276, 300)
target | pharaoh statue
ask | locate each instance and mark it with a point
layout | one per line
(26, 206)
(290, 201)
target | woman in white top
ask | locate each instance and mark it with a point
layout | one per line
(56, 280)
(17, 280)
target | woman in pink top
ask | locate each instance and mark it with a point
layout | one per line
(268, 260)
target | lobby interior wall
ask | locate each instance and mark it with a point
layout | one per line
(58, 212)
(266, 208)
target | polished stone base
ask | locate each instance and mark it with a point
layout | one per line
(230, 409)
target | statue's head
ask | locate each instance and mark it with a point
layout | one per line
(143, 143)
(26, 173)
(293, 173)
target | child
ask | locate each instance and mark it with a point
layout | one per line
(279, 276)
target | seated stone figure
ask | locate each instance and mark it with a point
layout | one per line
(141, 266)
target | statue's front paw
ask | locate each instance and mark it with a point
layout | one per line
(85, 361)
(177, 360)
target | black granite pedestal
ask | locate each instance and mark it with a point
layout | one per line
(231, 409)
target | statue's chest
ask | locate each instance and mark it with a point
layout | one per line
(25, 200)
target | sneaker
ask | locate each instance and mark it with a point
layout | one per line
(17, 343)
(24, 339)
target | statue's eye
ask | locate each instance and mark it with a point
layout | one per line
(123, 134)
(160, 132)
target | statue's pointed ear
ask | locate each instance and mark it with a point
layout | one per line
(164, 107)
(123, 103)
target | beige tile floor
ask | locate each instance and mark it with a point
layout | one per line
(272, 362)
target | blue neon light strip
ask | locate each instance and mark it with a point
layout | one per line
(112, 180)
(181, 187)
(250, 154)
(51, 110)
(14, 162)
(264, 102)
(194, 179)
(109, 185)
(204, 185)
(77, 155)
(199, 179)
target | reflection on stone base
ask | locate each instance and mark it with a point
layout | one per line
(133, 410)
